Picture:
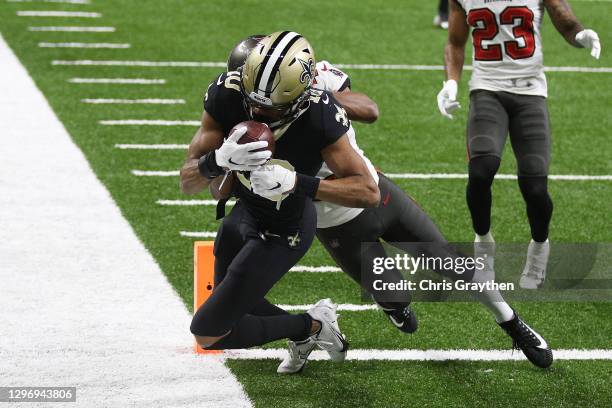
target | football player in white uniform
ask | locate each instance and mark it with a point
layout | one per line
(508, 95)
(397, 220)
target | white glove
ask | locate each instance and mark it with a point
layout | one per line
(589, 39)
(273, 181)
(447, 98)
(241, 157)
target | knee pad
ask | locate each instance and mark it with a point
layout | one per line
(533, 165)
(482, 169)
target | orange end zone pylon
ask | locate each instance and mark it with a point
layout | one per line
(203, 279)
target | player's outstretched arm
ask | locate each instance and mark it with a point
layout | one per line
(358, 106)
(454, 57)
(569, 27)
(354, 185)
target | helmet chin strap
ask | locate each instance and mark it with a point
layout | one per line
(298, 108)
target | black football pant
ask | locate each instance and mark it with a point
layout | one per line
(250, 257)
(399, 221)
(492, 116)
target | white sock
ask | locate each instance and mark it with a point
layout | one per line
(488, 237)
(492, 300)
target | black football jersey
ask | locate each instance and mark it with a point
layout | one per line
(298, 145)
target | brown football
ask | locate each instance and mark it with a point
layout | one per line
(256, 131)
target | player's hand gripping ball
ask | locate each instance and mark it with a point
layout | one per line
(249, 145)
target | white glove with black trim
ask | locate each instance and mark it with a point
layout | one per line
(447, 98)
(589, 39)
(241, 157)
(273, 181)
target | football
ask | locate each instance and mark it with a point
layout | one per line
(256, 131)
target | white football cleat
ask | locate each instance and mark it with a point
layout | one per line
(298, 355)
(535, 268)
(329, 337)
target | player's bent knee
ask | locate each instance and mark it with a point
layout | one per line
(483, 168)
(208, 341)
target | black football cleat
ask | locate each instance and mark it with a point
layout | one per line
(529, 341)
(404, 319)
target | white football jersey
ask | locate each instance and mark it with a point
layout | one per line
(331, 79)
(507, 45)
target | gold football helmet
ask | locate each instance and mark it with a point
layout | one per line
(278, 72)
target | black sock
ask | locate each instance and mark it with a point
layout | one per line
(265, 308)
(482, 170)
(257, 330)
(539, 205)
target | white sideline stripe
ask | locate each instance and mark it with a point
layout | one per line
(211, 64)
(50, 1)
(137, 101)
(421, 355)
(140, 81)
(151, 146)
(341, 307)
(110, 318)
(33, 13)
(145, 122)
(74, 29)
(82, 45)
(419, 176)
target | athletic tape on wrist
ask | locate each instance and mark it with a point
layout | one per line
(307, 185)
(208, 167)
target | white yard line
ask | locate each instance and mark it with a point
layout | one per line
(73, 29)
(422, 355)
(83, 303)
(128, 146)
(198, 234)
(215, 64)
(136, 81)
(341, 307)
(151, 101)
(79, 14)
(51, 1)
(419, 176)
(190, 203)
(83, 45)
(146, 122)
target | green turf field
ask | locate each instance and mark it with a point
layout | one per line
(410, 137)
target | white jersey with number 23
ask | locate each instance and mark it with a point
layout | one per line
(507, 53)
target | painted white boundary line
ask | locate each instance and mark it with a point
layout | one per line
(111, 320)
(151, 146)
(74, 29)
(152, 101)
(211, 64)
(422, 355)
(418, 176)
(146, 122)
(83, 45)
(34, 13)
(139, 81)
(50, 1)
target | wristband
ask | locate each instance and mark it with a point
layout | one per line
(307, 185)
(208, 166)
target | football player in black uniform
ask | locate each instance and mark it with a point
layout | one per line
(273, 224)
(398, 219)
